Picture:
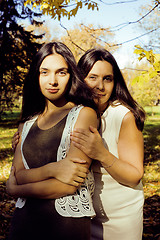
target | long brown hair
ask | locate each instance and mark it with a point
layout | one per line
(78, 92)
(120, 90)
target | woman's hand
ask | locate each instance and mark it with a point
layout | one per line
(88, 141)
(15, 140)
(71, 171)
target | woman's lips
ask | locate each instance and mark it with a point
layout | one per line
(100, 95)
(50, 90)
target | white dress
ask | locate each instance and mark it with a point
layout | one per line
(119, 209)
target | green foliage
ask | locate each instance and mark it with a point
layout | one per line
(146, 85)
(62, 8)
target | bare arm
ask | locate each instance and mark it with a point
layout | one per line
(128, 168)
(72, 170)
(48, 189)
(86, 117)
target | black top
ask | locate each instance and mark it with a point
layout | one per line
(40, 146)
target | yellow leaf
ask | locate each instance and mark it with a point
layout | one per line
(138, 46)
(44, 5)
(153, 74)
(138, 51)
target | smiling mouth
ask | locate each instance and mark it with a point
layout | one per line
(100, 95)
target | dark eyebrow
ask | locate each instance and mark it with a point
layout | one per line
(93, 74)
(58, 70)
(109, 75)
(43, 68)
(62, 69)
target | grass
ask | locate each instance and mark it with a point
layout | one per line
(151, 133)
(8, 126)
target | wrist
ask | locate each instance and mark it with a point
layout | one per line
(108, 160)
(52, 169)
(13, 191)
(103, 156)
(49, 171)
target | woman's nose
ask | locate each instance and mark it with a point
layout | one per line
(100, 84)
(53, 80)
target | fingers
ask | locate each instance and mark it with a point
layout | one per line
(82, 132)
(77, 182)
(80, 170)
(93, 129)
(15, 140)
(78, 160)
(79, 176)
(12, 172)
(78, 145)
(79, 140)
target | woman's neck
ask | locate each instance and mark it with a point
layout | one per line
(53, 114)
(102, 108)
(57, 106)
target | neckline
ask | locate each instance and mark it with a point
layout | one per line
(50, 128)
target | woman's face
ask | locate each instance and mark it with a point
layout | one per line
(101, 80)
(54, 77)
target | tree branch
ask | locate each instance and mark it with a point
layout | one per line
(71, 37)
(128, 23)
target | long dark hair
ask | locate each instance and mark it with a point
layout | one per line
(120, 90)
(33, 100)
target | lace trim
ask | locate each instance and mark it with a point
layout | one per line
(79, 204)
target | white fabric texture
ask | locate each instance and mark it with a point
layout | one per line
(119, 209)
(79, 204)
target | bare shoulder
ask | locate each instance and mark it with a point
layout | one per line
(87, 111)
(87, 117)
(129, 117)
(129, 126)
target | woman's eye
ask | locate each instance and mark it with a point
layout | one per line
(43, 72)
(62, 73)
(92, 77)
(108, 78)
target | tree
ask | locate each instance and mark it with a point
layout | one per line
(61, 8)
(146, 86)
(150, 23)
(17, 47)
(83, 37)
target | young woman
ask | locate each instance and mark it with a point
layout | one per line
(56, 206)
(118, 167)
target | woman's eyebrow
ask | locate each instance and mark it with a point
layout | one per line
(93, 74)
(43, 68)
(108, 75)
(59, 69)
(62, 69)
